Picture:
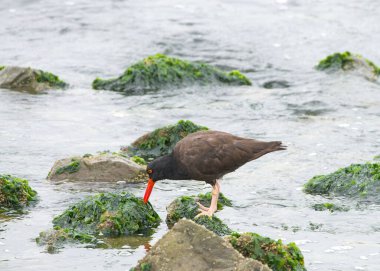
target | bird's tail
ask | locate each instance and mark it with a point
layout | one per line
(277, 146)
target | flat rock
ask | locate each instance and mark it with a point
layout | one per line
(103, 167)
(189, 247)
(28, 79)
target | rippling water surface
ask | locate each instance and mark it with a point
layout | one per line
(328, 121)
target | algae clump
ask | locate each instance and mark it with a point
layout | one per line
(15, 193)
(162, 140)
(278, 256)
(357, 181)
(110, 215)
(330, 207)
(2, 68)
(51, 79)
(73, 167)
(160, 71)
(348, 61)
(213, 224)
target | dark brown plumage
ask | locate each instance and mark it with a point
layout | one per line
(207, 156)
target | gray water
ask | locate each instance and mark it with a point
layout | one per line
(328, 121)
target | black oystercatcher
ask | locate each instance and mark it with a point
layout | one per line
(207, 156)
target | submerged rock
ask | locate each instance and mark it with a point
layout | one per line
(15, 193)
(357, 181)
(188, 247)
(109, 214)
(187, 207)
(160, 71)
(275, 254)
(330, 207)
(101, 167)
(162, 140)
(350, 62)
(28, 79)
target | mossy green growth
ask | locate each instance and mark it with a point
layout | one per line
(160, 71)
(2, 68)
(187, 207)
(213, 224)
(15, 193)
(51, 79)
(357, 181)
(278, 256)
(138, 160)
(110, 215)
(55, 239)
(330, 207)
(162, 140)
(73, 167)
(345, 61)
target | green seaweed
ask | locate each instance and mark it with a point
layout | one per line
(344, 61)
(2, 68)
(109, 215)
(51, 79)
(278, 256)
(56, 238)
(357, 181)
(160, 71)
(138, 160)
(213, 224)
(187, 207)
(330, 207)
(162, 140)
(73, 167)
(15, 193)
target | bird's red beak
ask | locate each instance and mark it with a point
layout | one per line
(148, 190)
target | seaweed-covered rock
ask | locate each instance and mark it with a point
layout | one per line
(330, 207)
(187, 207)
(357, 181)
(160, 71)
(188, 246)
(275, 254)
(213, 224)
(162, 140)
(15, 193)
(56, 238)
(350, 62)
(101, 167)
(28, 79)
(109, 215)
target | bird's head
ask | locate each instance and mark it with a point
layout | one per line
(157, 170)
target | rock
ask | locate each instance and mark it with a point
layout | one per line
(15, 193)
(160, 71)
(187, 207)
(276, 84)
(350, 62)
(330, 207)
(162, 140)
(357, 181)
(275, 254)
(101, 167)
(55, 239)
(97, 217)
(213, 224)
(188, 247)
(28, 79)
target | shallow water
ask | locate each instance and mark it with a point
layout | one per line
(328, 121)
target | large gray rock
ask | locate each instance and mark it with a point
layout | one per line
(189, 247)
(28, 79)
(102, 167)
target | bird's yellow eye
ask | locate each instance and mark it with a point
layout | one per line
(149, 171)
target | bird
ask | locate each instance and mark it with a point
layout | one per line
(207, 156)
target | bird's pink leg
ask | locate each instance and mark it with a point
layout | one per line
(214, 201)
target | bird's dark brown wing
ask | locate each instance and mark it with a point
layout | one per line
(209, 155)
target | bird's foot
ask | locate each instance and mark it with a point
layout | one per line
(202, 208)
(209, 212)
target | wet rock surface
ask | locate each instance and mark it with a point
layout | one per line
(160, 71)
(28, 79)
(189, 246)
(102, 167)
